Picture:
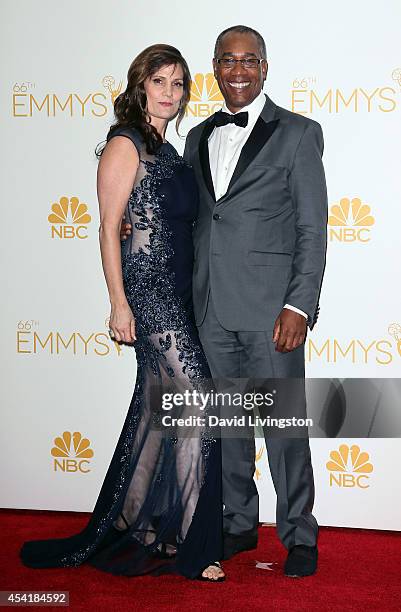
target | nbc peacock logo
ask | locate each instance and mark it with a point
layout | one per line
(349, 467)
(206, 97)
(350, 221)
(69, 218)
(71, 453)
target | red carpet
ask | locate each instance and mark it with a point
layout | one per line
(358, 570)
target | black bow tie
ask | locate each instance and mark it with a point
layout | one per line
(222, 118)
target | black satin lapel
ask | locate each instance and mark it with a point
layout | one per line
(204, 158)
(257, 139)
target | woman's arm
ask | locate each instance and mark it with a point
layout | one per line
(116, 174)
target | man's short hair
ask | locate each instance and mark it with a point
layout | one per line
(241, 29)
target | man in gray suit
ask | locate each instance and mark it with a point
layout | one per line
(260, 244)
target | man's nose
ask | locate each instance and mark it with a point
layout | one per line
(238, 69)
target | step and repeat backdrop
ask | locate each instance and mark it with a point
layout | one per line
(66, 386)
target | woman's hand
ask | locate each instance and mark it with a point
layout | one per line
(122, 323)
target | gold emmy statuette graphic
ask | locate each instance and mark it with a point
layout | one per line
(109, 83)
(259, 455)
(395, 331)
(71, 452)
(69, 218)
(350, 467)
(396, 75)
(353, 219)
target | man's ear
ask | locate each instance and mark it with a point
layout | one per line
(266, 71)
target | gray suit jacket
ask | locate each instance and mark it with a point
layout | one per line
(262, 244)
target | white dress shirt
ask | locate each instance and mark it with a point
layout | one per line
(225, 146)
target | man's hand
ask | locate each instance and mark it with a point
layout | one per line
(125, 229)
(289, 331)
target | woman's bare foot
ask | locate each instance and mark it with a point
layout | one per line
(213, 572)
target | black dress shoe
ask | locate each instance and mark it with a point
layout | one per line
(301, 561)
(234, 544)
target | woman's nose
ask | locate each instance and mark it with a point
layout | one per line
(168, 91)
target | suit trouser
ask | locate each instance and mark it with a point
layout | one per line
(252, 354)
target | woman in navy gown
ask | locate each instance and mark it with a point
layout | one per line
(160, 506)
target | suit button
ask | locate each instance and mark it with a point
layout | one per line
(216, 217)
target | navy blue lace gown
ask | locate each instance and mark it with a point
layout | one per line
(160, 487)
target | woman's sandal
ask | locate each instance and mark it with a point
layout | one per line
(161, 552)
(206, 579)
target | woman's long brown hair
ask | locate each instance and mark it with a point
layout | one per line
(130, 105)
